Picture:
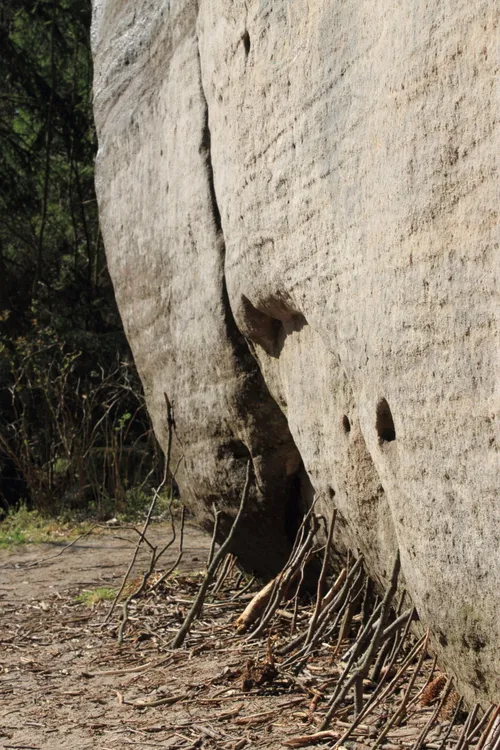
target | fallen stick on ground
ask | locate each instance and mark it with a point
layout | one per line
(128, 670)
(307, 739)
(167, 701)
(255, 608)
(58, 554)
(264, 715)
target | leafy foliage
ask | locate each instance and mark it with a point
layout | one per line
(72, 413)
(23, 526)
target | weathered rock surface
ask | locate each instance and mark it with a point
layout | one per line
(300, 210)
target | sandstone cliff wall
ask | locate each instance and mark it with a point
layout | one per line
(299, 203)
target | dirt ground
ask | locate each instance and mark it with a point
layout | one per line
(66, 684)
(50, 646)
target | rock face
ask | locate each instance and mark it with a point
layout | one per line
(300, 210)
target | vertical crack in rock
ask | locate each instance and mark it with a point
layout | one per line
(206, 149)
(241, 348)
(284, 493)
(237, 339)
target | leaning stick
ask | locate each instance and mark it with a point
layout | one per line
(480, 725)
(244, 590)
(399, 714)
(379, 694)
(343, 688)
(420, 645)
(216, 513)
(167, 573)
(334, 588)
(225, 571)
(462, 740)
(321, 579)
(221, 552)
(135, 594)
(335, 605)
(285, 578)
(156, 492)
(136, 551)
(458, 708)
(423, 734)
(390, 651)
(488, 729)
(155, 556)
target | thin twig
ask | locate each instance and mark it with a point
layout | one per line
(480, 725)
(458, 708)
(400, 712)
(487, 731)
(51, 557)
(221, 552)
(169, 572)
(156, 492)
(322, 579)
(379, 694)
(423, 734)
(216, 513)
(300, 555)
(361, 672)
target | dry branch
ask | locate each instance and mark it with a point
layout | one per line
(491, 724)
(334, 606)
(321, 580)
(255, 608)
(156, 492)
(169, 572)
(423, 734)
(58, 554)
(223, 549)
(307, 739)
(345, 683)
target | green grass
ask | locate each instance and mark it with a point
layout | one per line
(24, 526)
(92, 597)
(137, 502)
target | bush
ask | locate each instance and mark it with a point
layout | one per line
(74, 429)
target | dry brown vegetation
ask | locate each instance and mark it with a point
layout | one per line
(66, 683)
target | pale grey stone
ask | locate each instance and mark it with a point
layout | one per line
(299, 203)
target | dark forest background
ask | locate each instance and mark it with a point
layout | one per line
(74, 431)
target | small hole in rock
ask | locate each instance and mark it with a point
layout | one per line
(331, 493)
(384, 423)
(246, 42)
(346, 424)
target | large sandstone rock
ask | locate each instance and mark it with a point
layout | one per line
(300, 212)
